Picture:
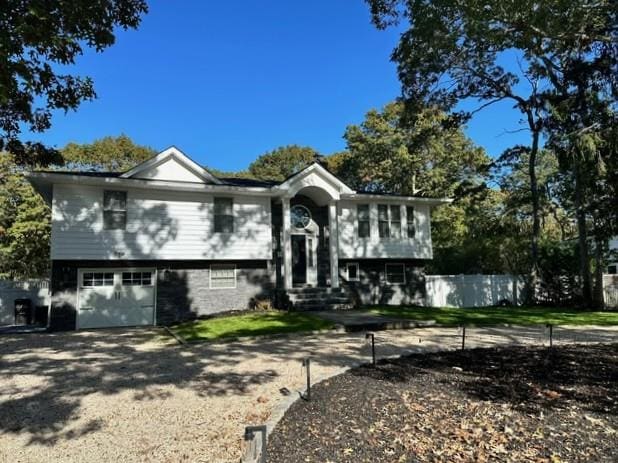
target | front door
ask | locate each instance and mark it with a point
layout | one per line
(299, 260)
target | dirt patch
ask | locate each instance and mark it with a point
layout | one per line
(506, 404)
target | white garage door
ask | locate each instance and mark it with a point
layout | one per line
(116, 297)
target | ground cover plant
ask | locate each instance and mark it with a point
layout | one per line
(508, 404)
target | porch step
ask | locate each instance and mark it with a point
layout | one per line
(311, 298)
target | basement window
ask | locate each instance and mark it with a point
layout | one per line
(222, 276)
(395, 274)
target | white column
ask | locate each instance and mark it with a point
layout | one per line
(287, 244)
(333, 242)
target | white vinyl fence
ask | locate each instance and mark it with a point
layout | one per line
(610, 290)
(472, 290)
(35, 290)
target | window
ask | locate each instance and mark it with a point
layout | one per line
(222, 276)
(364, 227)
(383, 227)
(136, 278)
(114, 210)
(352, 271)
(92, 279)
(410, 220)
(612, 269)
(395, 273)
(396, 221)
(224, 215)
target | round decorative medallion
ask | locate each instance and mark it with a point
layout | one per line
(300, 216)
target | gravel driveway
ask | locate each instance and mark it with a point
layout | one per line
(135, 395)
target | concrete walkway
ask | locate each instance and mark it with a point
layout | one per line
(353, 320)
(136, 395)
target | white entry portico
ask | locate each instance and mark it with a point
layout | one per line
(325, 190)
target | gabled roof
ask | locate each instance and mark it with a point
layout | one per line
(170, 155)
(320, 170)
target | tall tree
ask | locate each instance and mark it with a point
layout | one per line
(108, 153)
(24, 224)
(36, 39)
(453, 51)
(282, 162)
(389, 152)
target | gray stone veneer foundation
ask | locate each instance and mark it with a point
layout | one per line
(183, 289)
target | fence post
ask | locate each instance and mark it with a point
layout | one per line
(463, 337)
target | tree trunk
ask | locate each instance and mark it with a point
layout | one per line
(533, 277)
(599, 251)
(584, 256)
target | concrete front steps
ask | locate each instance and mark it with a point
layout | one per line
(308, 298)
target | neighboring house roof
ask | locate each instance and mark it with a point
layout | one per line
(173, 170)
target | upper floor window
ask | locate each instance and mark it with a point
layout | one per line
(395, 221)
(410, 220)
(383, 226)
(364, 227)
(114, 210)
(224, 215)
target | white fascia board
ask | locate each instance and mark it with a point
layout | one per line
(326, 175)
(119, 182)
(392, 198)
(181, 157)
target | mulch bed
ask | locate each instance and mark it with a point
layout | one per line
(517, 404)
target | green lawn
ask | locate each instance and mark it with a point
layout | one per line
(500, 315)
(251, 324)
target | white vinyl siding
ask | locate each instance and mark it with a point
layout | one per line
(351, 246)
(160, 225)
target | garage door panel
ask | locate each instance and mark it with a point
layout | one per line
(127, 299)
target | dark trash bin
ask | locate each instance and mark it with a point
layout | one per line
(40, 315)
(23, 312)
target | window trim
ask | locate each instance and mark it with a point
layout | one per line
(368, 220)
(410, 221)
(390, 221)
(387, 236)
(395, 282)
(215, 215)
(125, 210)
(210, 268)
(347, 271)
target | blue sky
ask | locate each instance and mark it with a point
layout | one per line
(228, 81)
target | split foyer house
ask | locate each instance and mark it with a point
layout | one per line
(168, 241)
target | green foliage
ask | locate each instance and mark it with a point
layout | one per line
(37, 39)
(391, 153)
(116, 154)
(450, 316)
(282, 162)
(252, 324)
(24, 225)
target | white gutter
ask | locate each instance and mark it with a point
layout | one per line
(411, 199)
(49, 177)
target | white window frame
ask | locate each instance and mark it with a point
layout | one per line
(222, 287)
(112, 210)
(396, 282)
(347, 271)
